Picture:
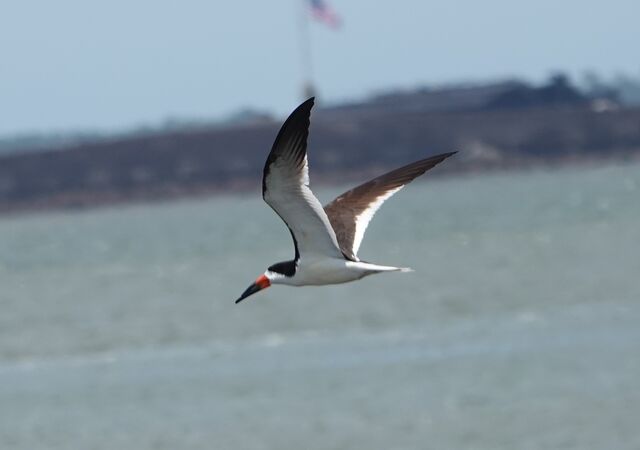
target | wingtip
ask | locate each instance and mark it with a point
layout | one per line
(444, 156)
(304, 107)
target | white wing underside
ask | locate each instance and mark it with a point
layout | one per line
(363, 219)
(287, 192)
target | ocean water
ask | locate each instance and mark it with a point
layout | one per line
(519, 329)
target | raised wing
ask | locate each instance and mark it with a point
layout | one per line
(352, 211)
(285, 187)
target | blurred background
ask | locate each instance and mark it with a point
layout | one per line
(132, 141)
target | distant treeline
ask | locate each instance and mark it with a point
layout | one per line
(623, 90)
(505, 124)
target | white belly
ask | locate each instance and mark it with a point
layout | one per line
(323, 271)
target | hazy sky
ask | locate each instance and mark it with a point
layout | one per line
(75, 64)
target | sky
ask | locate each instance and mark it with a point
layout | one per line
(73, 65)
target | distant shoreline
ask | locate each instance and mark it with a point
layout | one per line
(91, 201)
(344, 144)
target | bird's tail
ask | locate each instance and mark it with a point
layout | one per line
(378, 268)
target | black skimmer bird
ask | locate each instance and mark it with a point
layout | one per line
(326, 240)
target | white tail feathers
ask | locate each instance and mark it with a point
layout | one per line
(375, 268)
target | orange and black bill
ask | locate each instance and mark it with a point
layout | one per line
(261, 283)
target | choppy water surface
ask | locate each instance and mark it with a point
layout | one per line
(518, 330)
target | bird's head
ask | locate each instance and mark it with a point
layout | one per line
(280, 272)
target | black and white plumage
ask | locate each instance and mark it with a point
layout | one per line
(326, 240)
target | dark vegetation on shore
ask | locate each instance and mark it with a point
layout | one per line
(508, 124)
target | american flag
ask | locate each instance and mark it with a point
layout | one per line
(322, 12)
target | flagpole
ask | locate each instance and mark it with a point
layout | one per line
(306, 59)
